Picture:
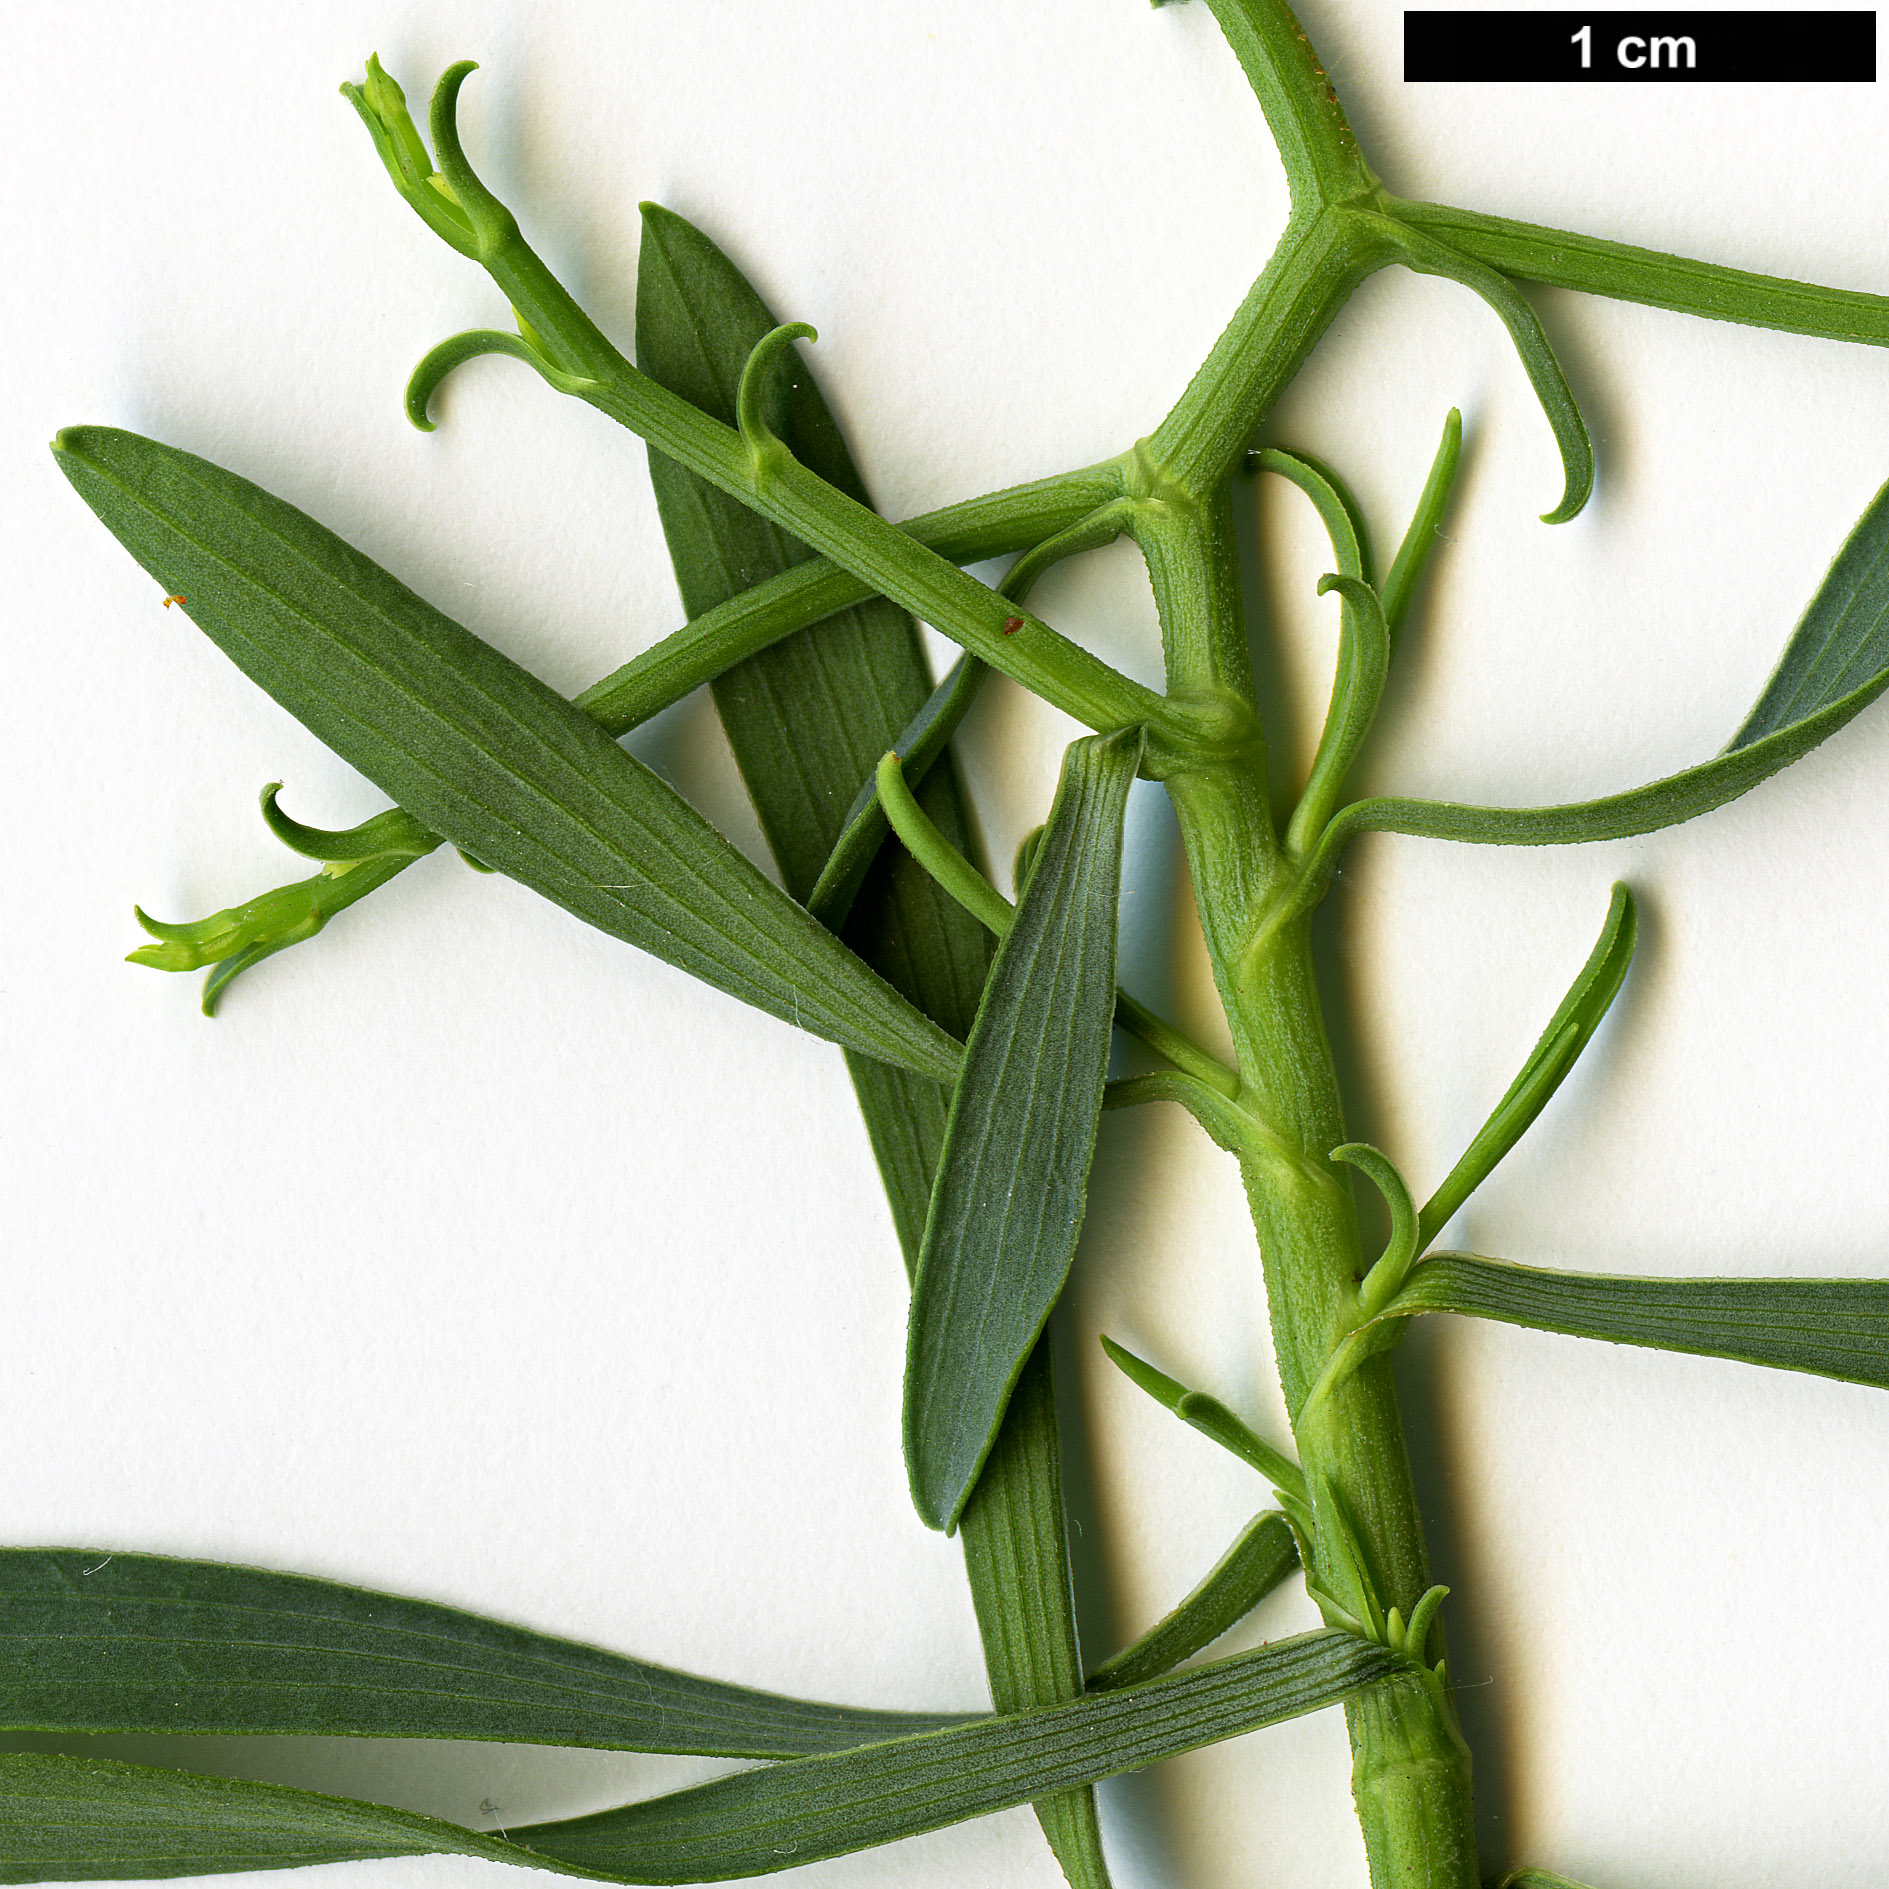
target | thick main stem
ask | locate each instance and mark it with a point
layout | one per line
(1410, 1767)
(1410, 1772)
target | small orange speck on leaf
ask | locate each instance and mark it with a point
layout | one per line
(1012, 625)
(176, 597)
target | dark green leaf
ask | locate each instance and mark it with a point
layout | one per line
(794, 1813)
(855, 679)
(92, 1820)
(1569, 1030)
(474, 747)
(141, 1643)
(1262, 1556)
(1835, 665)
(1842, 644)
(921, 742)
(1830, 1327)
(802, 718)
(76, 1820)
(1016, 1553)
(1009, 1198)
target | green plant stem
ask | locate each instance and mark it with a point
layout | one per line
(1316, 144)
(1320, 260)
(1410, 1764)
(1015, 519)
(1563, 259)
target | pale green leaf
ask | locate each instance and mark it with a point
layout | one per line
(1557, 1050)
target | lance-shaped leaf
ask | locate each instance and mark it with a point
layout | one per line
(808, 719)
(1262, 1555)
(476, 748)
(1828, 1327)
(75, 1820)
(1009, 1198)
(1835, 665)
(1555, 1053)
(143, 1643)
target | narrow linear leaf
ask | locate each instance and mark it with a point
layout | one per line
(1420, 537)
(755, 620)
(1262, 1555)
(1364, 654)
(1425, 254)
(1828, 1327)
(1363, 646)
(1841, 645)
(1211, 1418)
(1598, 266)
(94, 1642)
(1012, 1180)
(1016, 1553)
(783, 1815)
(1337, 508)
(807, 718)
(474, 747)
(395, 831)
(86, 1820)
(94, 1820)
(1835, 665)
(810, 716)
(1538, 1879)
(1556, 1051)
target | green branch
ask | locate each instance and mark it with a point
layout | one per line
(1626, 273)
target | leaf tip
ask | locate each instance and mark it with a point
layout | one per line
(1579, 486)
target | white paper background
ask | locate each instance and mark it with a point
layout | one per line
(472, 1255)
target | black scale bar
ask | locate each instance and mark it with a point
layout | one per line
(1656, 48)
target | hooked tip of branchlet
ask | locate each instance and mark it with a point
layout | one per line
(1574, 496)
